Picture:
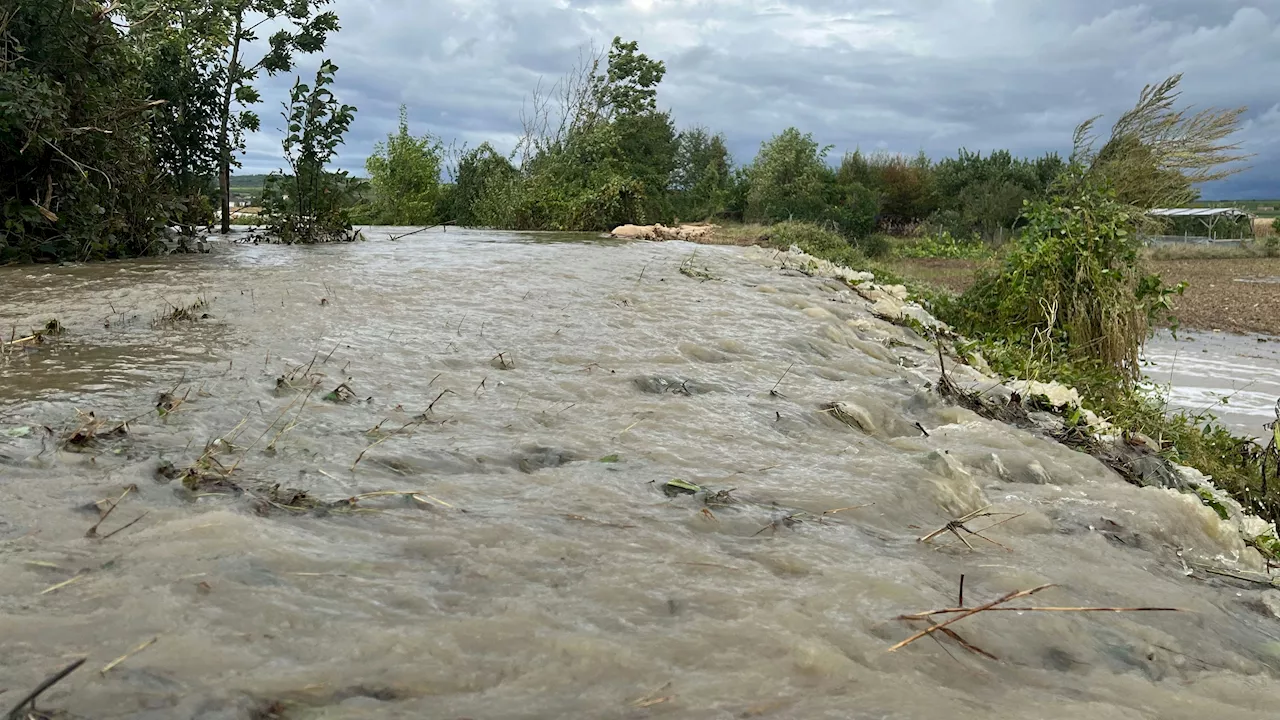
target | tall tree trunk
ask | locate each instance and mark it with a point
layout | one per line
(224, 142)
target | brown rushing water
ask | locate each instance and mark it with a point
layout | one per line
(569, 587)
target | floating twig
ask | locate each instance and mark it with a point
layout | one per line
(93, 531)
(126, 526)
(956, 526)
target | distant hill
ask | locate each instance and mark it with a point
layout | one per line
(247, 184)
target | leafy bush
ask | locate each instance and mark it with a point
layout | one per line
(943, 245)
(1073, 285)
(817, 241)
(78, 180)
(875, 245)
(404, 172)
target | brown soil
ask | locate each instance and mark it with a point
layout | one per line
(1218, 295)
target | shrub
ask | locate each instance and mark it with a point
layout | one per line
(817, 241)
(1073, 286)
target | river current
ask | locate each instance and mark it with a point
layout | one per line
(535, 394)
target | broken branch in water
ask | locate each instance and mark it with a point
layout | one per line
(93, 531)
(774, 390)
(381, 440)
(16, 712)
(394, 238)
(126, 526)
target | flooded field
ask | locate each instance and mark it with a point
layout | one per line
(1235, 378)
(529, 399)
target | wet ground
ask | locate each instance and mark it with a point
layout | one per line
(528, 399)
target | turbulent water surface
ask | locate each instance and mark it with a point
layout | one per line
(529, 578)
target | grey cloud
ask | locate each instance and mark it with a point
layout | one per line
(931, 75)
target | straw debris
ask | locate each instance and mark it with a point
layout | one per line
(999, 605)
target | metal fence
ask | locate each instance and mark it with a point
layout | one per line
(1158, 240)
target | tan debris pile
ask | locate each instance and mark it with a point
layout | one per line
(688, 233)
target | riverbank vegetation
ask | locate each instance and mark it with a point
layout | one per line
(1070, 299)
(116, 120)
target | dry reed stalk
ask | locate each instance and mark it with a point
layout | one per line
(955, 526)
(969, 613)
(952, 611)
(107, 668)
(54, 588)
(249, 449)
(379, 441)
(999, 605)
(126, 526)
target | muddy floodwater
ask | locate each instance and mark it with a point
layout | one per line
(535, 393)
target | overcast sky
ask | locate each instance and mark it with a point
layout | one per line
(905, 76)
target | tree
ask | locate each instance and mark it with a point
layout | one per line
(596, 151)
(77, 178)
(306, 33)
(788, 179)
(480, 173)
(701, 180)
(311, 204)
(404, 172)
(630, 85)
(181, 44)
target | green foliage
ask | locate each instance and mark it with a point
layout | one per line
(788, 179)
(703, 175)
(478, 192)
(986, 195)
(606, 160)
(181, 47)
(78, 180)
(630, 85)
(903, 187)
(404, 172)
(311, 205)
(305, 31)
(1073, 286)
(943, 245)
(817, 241)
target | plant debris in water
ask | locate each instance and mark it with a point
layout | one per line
(188, 313)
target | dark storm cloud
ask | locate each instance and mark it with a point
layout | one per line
(931, 75)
